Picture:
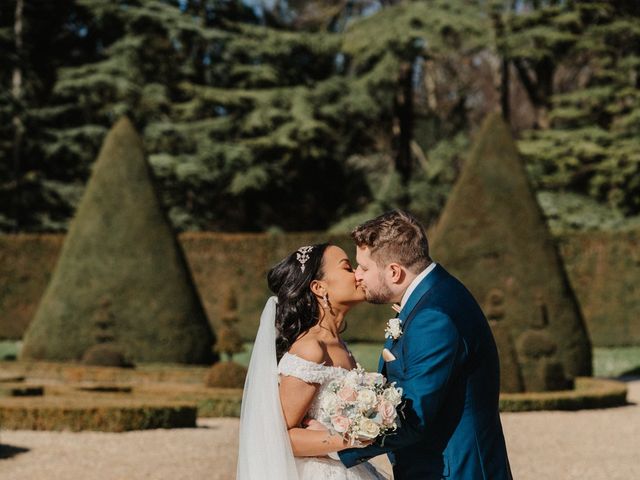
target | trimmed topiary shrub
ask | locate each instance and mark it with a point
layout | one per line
(510, 371)
(536, 344)
(588, 393)
(106, 355)
(220, 406)
(229, 339)
(226, 375)
(20, 390)
(493, 236)
(104, 388)
(211, 402)
(553, 376)
(106, 415)
(120, 254)
(77, 373)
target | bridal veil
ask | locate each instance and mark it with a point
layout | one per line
(264, 447)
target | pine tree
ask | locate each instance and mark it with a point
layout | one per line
(314, 114)
(29, 31)
(594, 143)
(249, 122)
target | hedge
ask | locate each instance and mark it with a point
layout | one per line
(589, 392)
(603, 269)
(77, 373)
(19, 389)
(106, 415)
(139, 402)
(147, 383)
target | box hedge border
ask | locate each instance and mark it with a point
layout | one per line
(56, 413)
(589, 393)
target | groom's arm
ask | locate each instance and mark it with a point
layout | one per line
(431, 349)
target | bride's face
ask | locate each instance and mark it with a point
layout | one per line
(339, 278)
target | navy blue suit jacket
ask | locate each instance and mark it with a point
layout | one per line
(447, 365)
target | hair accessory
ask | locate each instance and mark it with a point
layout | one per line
(303, 255)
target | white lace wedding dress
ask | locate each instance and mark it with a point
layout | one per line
(316, 468)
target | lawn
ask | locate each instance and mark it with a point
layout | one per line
(614, 362)
(9, 350)
(607, 362)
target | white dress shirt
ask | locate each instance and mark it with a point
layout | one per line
(416, 281)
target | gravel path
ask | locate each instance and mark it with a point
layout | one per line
(586, 445)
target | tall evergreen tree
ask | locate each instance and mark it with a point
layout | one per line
(594, 143)
(303, 114)
(251, 125)
(29, 31)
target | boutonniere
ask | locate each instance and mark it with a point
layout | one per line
(393, 329)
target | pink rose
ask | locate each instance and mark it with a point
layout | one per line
(347, 394)
(388, 412)
(340, 423)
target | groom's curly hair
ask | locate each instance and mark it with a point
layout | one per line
(297, 310)
(395, 236)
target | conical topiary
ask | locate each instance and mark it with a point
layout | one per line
(120, 251)
(229, 340)
(493, 236)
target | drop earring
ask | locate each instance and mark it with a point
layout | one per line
(325, 300)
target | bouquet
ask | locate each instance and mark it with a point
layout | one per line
(360, 406)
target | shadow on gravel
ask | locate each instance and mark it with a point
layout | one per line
(628, 377)
(201, 426)
(9, 451)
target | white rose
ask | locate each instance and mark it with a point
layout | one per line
(352, 378)
(393, 329)
(368, 429)
(393, 395)
(330, 402)
(367, 399)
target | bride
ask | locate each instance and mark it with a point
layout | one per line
(297, 351)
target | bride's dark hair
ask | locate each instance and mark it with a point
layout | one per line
(297, 310)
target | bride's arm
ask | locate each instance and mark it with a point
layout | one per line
(296, 397)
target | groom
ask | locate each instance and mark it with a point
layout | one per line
(442, 355)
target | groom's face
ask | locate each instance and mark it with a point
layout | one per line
(372, 278)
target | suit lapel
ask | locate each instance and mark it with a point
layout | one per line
(406, 313)
(420, 291)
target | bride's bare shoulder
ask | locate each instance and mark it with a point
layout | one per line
(309, 348)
